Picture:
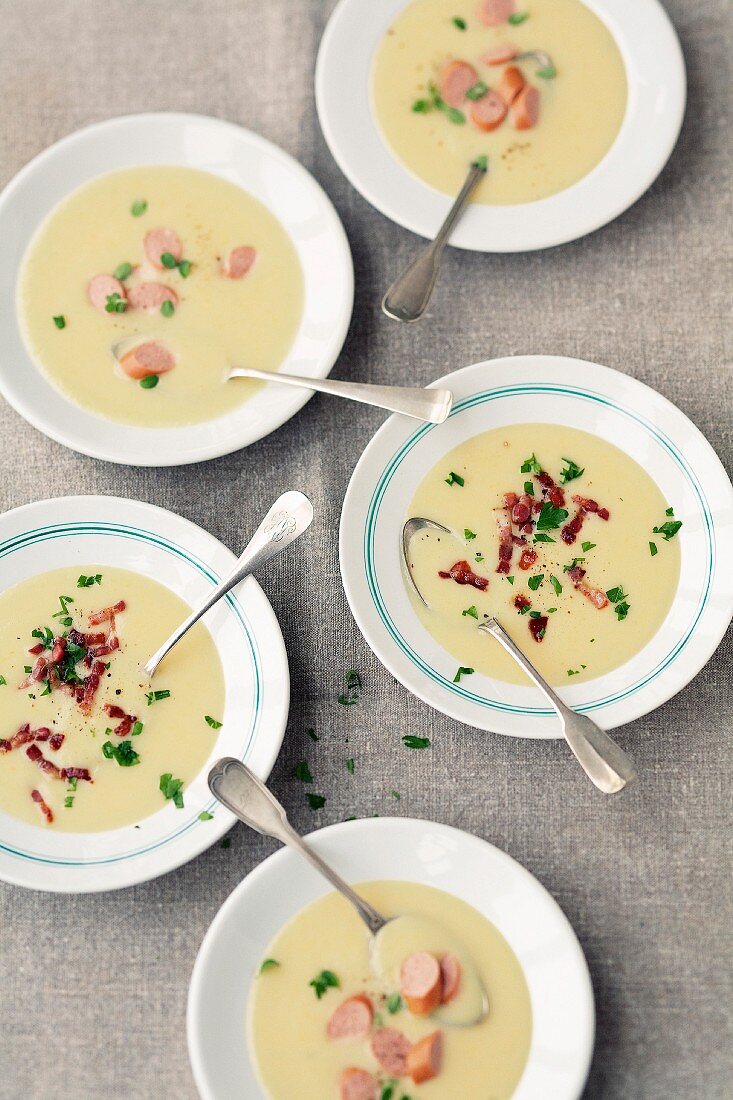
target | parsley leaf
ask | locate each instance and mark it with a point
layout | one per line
(212, 722)
(472, 611)
(459, 23)
(455, 479)
(531, 465)
(462, 671)
(410, 741)
(60, 321)
(350, 766)
(268, 964)
(588, 546)
(302, 772)
(394, 1003)
(478, 91)
(622, 610)
(323, 982)
(315, 801)
(156, 696)
(123, 753)
(551, 517)
(556, 585)
(653, 549)
(138, 207)
(468, 534)
(534, 582)
(87, 582)
(206, 816)
(172, 789)
(572, 471)
(616, 594)
(668, 529)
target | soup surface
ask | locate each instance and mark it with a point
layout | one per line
(427, 120)
(80, 725)
(285, 1013)
(585, 579)
(233, 294)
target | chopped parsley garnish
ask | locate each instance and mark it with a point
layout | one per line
(451, 113)
(396, 794)
(479, 557)
(302, 772)
(653, 549)
(172, 789)
(156, 696)
(524, 609)
(616, 594)
(518, 17)
(478, 91)
(168, 309)
(551, 517)
(68, 801)
(44, 635)
(588, 546)
(3, 681)
(458, 22)
(547, 72)
(531, 465)
(185, 268)
(212, 722)
(542, 537)
(123, 271)
(535, 614)
(462, 671)
(534, 582)
(481, 162)
(123, 753)
(315, 801)
(455, 479)
(510, 579)
(313, 735)
(149, 382)
(572, 471)
(472, 611)
(468, 534)
(353, 687)
(138, 207)
(622, 610)
(387, 1092)
(421, 106)
(529, 488)
(669, 529)
(168, 260)
(411, 741)
(555, 584)
(60, 321)
(206, 816)
(87, 582)
(573, 672)
(268, 964)
(63, 600)
(394, 1003)
(46, 688)
(573, 563)
(350, 766)
(669, 512)
(226, 842)
(323, 982)
(115, 304)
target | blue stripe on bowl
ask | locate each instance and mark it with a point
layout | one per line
(486, 397)
(119, 530)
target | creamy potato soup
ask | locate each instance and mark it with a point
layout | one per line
(450, 85)
(143, 288)
(561, 536)
(326, 1019)
(86, 742)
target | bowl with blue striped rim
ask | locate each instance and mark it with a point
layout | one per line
(130, 534)
(541, 389)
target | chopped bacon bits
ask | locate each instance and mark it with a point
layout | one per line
(586, 507)
(77, 773)
(462, 573)
(40, 669)
(128, 720)
(34, 753)
(506, 545)
(105, 614)
(538, 627)
(522, 510)
(521, 601)
(528, 558)
(42, 805)
(58, 650)
(37, 648)
(596, 595)
(88, 689)
(550, 490)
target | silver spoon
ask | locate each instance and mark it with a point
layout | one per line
(432, 406)
(408, 297)
(237, 788)
(287, 519)
(602, 760)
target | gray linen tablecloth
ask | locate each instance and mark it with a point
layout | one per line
(93, 989)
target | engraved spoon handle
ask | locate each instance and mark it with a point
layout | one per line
(408, 297)
(603, 761)
(287, 519)
(237, 788)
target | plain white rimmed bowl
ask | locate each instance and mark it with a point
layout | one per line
(158, 544)
(555, 390)
(655, 72)
(561, 995)
(225, 150)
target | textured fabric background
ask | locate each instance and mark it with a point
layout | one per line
(93, 989)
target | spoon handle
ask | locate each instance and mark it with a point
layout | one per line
(603, 761)
(237, 788)
(288, 518)
(432, 406)
(408, 297)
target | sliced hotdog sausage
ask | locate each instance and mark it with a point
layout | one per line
(357, 1084)
(500, 55)
(492, 13)
(450, 974)
(525, 110)
(511, 84)
(99, 289)
(390, 1047)
(456, 78)
(420, 982)
(352, 1019)
(426, 1057)
(488, 112)
(239, 261)
(148, 358)
(159, 241)
(150, 296)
